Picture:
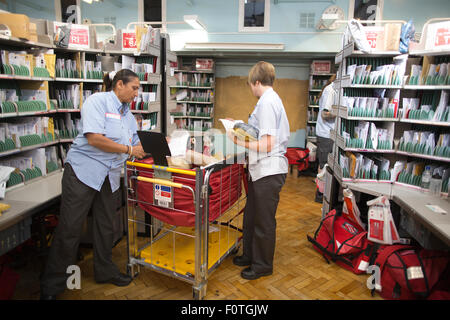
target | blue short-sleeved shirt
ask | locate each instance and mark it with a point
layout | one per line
(102, 113)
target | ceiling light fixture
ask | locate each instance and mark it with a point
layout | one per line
(243, 46)
(193, 21)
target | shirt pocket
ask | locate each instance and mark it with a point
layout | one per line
(113, 129)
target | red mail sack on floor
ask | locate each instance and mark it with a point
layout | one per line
(342, 241)
(409, 273)
(299, 156)
(225, 188)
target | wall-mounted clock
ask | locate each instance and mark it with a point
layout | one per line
(331, 10)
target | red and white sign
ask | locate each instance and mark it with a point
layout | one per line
(442, 37)
(438, 36)
(375, 35)
(79, 35)
(321, 66)
(204, 64)
(129, 40)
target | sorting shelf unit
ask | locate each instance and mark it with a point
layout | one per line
(64, 84)
(317, 79)
(193, 93)
(397, 185)
(170, 62)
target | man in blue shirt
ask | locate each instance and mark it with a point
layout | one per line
(91, 181)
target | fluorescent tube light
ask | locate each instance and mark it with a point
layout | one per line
(234, 46)
(88, 1)
(193, 21)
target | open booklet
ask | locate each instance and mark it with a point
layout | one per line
(241, 129)
(229, 124)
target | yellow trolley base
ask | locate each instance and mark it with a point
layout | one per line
(181, 259)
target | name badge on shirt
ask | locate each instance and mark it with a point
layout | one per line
(113, 116)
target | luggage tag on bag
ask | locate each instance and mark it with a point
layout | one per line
(163, 196)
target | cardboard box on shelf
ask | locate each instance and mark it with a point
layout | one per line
(392, 36)
(33, 32)
(19, 24)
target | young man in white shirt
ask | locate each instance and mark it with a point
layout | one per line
(267, 168)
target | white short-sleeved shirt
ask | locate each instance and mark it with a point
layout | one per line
(270, 118)
(327, 99)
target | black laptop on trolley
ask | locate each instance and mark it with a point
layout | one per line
(156, 146)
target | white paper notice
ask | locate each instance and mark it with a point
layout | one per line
(435, 208)
(178, 143)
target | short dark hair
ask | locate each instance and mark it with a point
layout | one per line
(125, 75)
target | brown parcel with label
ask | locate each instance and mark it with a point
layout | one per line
(19, 24)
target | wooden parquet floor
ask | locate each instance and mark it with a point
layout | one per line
(300, 273)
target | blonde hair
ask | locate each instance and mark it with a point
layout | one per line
(263, 72)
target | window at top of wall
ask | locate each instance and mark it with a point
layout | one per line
(152, 12)
(366, 9)
(254, 15)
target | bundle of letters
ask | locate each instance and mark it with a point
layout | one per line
(437, 73)
(69, 98)
(371, 103)
(24, 132)
(67, 68)
(410, 173)
(358, 166)
(376, 71)
(425, 142)
(431, 106)
(366, 135)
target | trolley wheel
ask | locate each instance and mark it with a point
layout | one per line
(196, 294)
(199, 293)
(131, 273)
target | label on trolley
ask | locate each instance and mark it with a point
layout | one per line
(162, 196)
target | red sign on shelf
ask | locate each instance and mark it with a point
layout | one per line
(372, 39)
(79, 37)
(129, 41)
(321, 66)
(442, 37)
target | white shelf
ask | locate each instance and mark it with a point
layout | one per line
(349, 50)
(190, 71)
(343, 113)
(426, 87)
(15, 77)
(196, 102)
(152, 107)
(38, 191)
(23, 149)
(423, 156)
(431, 123)
(429, 53)
(192, 117)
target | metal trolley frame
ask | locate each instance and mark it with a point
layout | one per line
(143, 254)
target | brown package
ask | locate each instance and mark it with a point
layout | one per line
(19, 24)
